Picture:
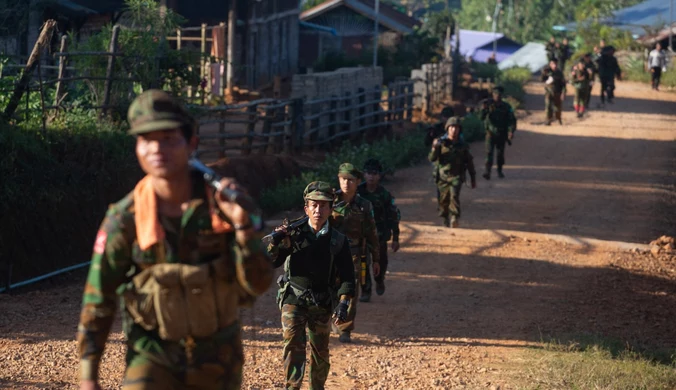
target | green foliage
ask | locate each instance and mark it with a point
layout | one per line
(436, 24)
(513, 80)
(484, 70)
(307, 4)
(473, 128)
(589, 35)
(393, 153)
(634, 70)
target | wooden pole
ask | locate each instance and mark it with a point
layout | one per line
(179, 38)
(22, 85)
(42, 100)
(62, 70)
(112, 48)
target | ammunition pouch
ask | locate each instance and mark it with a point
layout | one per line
(181, 300)
(305, 296)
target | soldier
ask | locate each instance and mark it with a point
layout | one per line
(609, 69)
(555, 91)
(387, 218)
(591, 67)
(550, 48)
(500, 124)
(355, 219)
(435, 131)
(454, 158)
(564, 54)
(314, 257)
(181, 258)
(581, 77)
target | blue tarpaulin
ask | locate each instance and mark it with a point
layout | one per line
(479, 45)
(653, 14)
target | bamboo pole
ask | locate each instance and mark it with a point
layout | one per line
(111, 66)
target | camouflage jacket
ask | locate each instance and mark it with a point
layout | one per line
(499, 118)
(559, 84)
(550, 48)
(356, 221)
(453, 160)
(386, 213)
(581, 78)
(591, 66)
(307, 261)
(117, 258)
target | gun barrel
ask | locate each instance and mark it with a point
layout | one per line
(214, 180)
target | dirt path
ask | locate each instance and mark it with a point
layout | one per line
(464, 306)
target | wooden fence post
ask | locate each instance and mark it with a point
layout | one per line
(247, 142)
(112, 48)
(390, 103)
(267, 126)
(313, 109)
(347, 116)
(279, 115)
(297, 127)
(361, 110)
(62, 70)
(221, 132)
(333, 107)
(377, 110)
(179, 38)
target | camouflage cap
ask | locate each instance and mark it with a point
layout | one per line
(447, 112)
(318, 190)
(349, 170)
(453, 121)
(372, 165)
(155, 110)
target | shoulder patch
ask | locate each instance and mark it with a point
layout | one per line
(100, 242)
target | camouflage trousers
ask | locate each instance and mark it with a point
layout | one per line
(295, 319)
(493, 142)
(553, 103)
(581, 98)
(449, 202)
(214, 363)
(367, 284)
(348, 325)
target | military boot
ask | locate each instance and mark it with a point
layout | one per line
(447, 222)
(380, 288)
(454, 222)
(345, 337)
(500, 174)
(365, 296)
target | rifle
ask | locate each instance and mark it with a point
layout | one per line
(214, 180)
(295, 225)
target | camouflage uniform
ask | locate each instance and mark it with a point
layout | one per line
(436, 131)
(453, 158)
(551, 50)
(313, 261)
(356, 221)
(387, 217)
(500, 124)
(581, 81)
(212, 360)
(591, 67)
(553, 92)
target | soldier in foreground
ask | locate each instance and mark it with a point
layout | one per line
(454, 158)
(555, 92)
(355, 219)
(581, 78)
(500, 124)
(387, 218)
(314, 256)
(181, 258)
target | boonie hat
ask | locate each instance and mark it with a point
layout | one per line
(155, 110)
(318, 190)
(349, 170)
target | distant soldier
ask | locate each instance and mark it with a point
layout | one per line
(550, 48)
(609, 69)
(593, 70)
(355, 219)
(657, 61)
(435, 131)
(180, 258)
(314, 256)
(500, 124)
(564, 54)
(387, 218)
(581, 77)
(454, 158)
(555, 91)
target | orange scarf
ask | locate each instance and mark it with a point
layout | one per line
(149, 231)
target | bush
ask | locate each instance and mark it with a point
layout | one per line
(484, 70)
(634, 70)
(394, 153)
(473, 128)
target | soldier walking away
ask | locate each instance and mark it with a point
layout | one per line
(609, 69)
(564, 54)
(387, 217)
(500, 125)
(314, 256)
(657, 62)
(591, 68)
(581, 77)
(454, 158)
(355, 219)
(182, 259)
(550, 48)
(555, 92)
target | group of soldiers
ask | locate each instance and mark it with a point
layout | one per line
(452, 160)
(582, 75)
(182, 255)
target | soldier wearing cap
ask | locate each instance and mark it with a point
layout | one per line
(454, 158)
(437, 130)
(500, 124)
(314, 256)
(180, 257)
(387, 218)
(355, 219)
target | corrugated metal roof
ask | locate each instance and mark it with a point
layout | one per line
(532, 56)
(388, 16)
(471, 40)
(650, 13)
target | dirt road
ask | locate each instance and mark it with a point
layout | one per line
(538, 257)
